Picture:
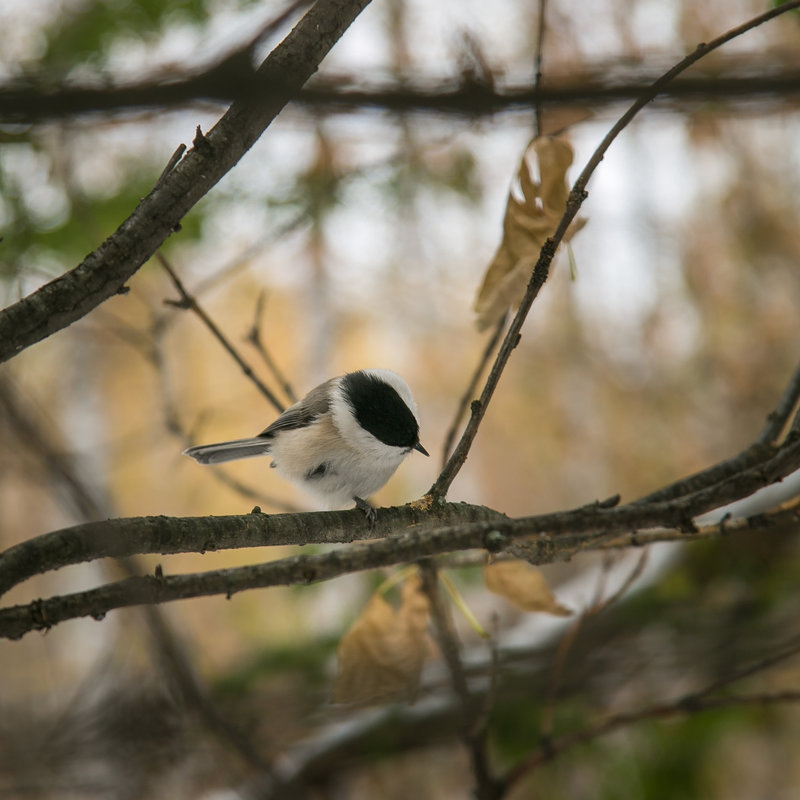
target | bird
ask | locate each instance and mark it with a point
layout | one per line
(341, 442)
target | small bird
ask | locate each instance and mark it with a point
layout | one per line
(341, 442)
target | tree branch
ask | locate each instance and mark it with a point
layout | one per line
(188, 301)
(168, 535)
(473, 728)
(559, 536)
(433, 95)
(104, 272)
(542, 269)
(692, 703)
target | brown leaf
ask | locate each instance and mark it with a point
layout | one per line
(528, 223)
(524, 586)
(381, 656)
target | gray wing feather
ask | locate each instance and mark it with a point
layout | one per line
(228, 451)
(300, 415)
(303, 413)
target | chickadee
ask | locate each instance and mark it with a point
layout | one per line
(341, 442)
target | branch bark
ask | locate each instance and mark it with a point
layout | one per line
(558, 536)
(104, 272)
(434, 95)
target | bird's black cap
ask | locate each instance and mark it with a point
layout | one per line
(380, 410)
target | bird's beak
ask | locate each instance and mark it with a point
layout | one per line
(420, 449)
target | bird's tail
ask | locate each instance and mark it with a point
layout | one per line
(229, 451)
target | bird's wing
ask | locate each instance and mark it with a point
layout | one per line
(304, 412)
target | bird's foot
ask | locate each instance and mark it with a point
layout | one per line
(369, 511)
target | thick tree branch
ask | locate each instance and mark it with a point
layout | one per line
(104, 272)
(435, 95)
(140, 535)
(558, 536)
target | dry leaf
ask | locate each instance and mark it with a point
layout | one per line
(528, 223)
(524, 586)
(381, 656)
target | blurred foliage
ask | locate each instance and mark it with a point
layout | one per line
(85, 33)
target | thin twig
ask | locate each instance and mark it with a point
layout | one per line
(171, 164)
(537, 78)
(469, 392)
(691, 703)
(92, 503)
(758, 452)
(777, 420)
(151, 347)
(576, 197)
(600, 604)
(681, 707)
(255, 338)
(473, 733)
(188, 301)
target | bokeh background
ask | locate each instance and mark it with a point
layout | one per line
(357, 236)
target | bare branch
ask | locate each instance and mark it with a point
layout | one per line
(688, 704)
(542, 269)
(104, 272)
(256, 339)
(139, 535)
(558, 536)
(539, 58)
(777, 420)
(473, 732)
(440, 95)
(469, 392)
(189, 302)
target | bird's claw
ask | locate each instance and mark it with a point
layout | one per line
(369, 511)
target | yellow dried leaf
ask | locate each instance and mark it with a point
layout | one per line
(381, 656)
(529, 221)
(524, 586)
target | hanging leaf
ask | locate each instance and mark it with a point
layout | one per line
(530, 219)
(524, 586)
(381, 656)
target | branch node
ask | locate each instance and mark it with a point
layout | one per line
(183, 303)
(39, 616)
(687, 525)
(201, 143)
(609, 502)
(495, 541)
